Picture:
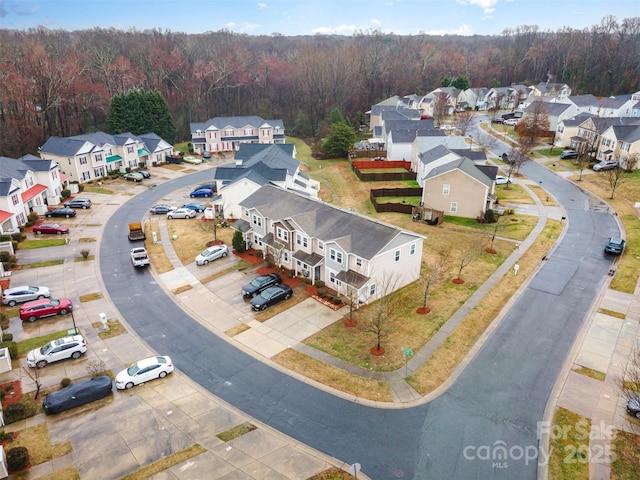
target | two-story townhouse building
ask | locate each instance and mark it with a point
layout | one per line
(588, 140)
(616, 106)
(502, 98)
(621, 142)
(550, 90)
(255, 165)
(27, 184)
(422, 145)
(347, 251)
(556, 112)
(567, 132)
(459, 187)
(391, 123)
(400, 141)
(226, 134)
(476, 98)
(94, 155)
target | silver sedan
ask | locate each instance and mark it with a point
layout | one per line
(181, 213)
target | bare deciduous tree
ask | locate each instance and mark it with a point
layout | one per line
(463, 121)
(437, 268)
(468, 255)
(34, 374)
(377, 315)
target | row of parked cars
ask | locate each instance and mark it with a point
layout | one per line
(609, 164)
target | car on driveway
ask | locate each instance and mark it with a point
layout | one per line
(192, 160)
(61, 212)
(206, 154)
(46, 307)
(60, 349)
(133, 177)
(26, 293)
(77, 393)
(569, 154)
(615, 246)
(605, 165)
(271, 296)
(143, 371)
(196, 207)
(181, 213)
(633, 406)
(502, 180)
(497, 120)
(161, 209)
(212, 253)
(49, 228)
(83, 203)
(144, 173)
(202, 192)
(260, 283)
(511, 121)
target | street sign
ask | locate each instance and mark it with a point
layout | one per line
(406, 352)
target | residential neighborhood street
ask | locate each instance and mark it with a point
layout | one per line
(499, 397)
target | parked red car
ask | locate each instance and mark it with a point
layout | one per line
(50, 228)
(47, 307)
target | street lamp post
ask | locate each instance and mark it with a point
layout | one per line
(75, 328)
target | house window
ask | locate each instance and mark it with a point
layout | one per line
(397, 256)
(257, 239)
(332, 277)
(83, 161)
(302, 240)
(86, 176)
(14, 199)
(335, 255)
(285, 257)
(256, 220)
(129, 150)
(248, 131)
(98, 157)
(320, 245)
(454, 207)
(358, 261)
(412, 249)
(229, 132)
(446, 188)
(282, 234)
(372, 289)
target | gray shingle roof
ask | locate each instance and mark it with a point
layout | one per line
(465, 165)
(358, 235)
(236, 122)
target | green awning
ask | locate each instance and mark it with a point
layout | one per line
(113, 158)
(142, 152)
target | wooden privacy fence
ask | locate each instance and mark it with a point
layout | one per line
(383, 176)
(394, 192)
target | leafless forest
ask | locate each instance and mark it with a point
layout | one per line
(61, 82)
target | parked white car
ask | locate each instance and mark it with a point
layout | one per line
(211, 254)
(60, 349)
(143, 371)
(192, 160)
(502, 180)
(511, 121)
(25, 293)
(181, 213)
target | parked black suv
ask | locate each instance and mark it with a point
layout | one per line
(615, 246)
(260, 283)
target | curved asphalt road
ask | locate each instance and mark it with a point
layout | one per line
(496, 402)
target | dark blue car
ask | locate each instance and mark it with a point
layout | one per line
(76, 394)
(202, 192)
(196, 207)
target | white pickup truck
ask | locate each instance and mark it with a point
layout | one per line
(139, 257)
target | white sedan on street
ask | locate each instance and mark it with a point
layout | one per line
(143, 371)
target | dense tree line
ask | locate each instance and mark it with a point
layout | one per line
(61, 82)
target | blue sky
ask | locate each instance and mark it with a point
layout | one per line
(299, 17)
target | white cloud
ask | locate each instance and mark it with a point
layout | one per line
(230, 25)
(463, 29)
(376, 22)
(339, 30)
(249, 27)
(486, 5)
(262, 6)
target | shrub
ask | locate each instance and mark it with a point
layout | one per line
(17, 458)
(11, 346)
(65, 382)
(5, 436)
(6, 337)
(322, 291)
(85, 253)
(80, 187)
(319, 283)
(66, 193)
(336, 300)
(238, 242)
(14, 413)
(95, 367)
(32, 217)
